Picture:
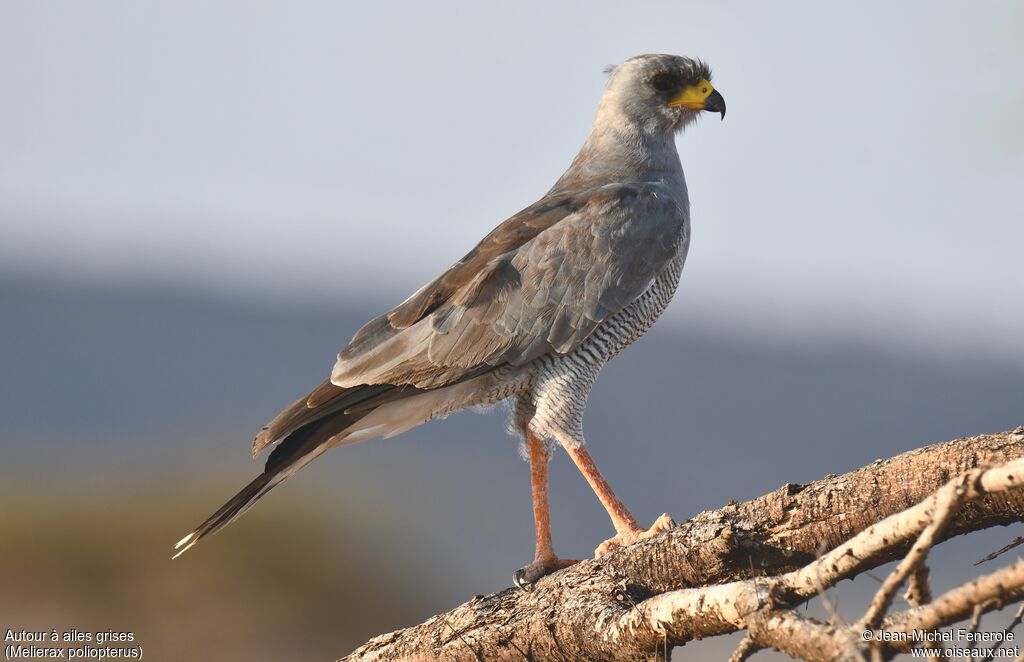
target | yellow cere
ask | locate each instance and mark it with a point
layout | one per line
(693, 97)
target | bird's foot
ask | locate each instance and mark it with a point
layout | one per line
(663, 523)
(528, 575)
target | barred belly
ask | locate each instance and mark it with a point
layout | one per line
(551, 392)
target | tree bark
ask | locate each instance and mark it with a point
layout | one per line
(608, 609)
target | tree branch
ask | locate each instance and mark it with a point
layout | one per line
(743, 566)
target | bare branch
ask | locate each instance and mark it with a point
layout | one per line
(943, 505)
(745, 650)
(724, 608)
(803, 638)
(1016, 542)
(984, 593)
(1010, 627)
(702, 578)
(918, 592)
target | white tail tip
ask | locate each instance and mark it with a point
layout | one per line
(184, 544)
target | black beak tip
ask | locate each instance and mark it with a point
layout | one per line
(715, 103)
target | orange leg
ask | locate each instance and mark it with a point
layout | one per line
(539, 488)
(622, 519)
(544, 559)
(625, 524)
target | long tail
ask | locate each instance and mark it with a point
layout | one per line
(302, 433)
(245, 500)
(331, 415)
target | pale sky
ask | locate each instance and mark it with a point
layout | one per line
(866, 185)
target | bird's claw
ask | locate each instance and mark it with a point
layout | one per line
(527, 576)
(663, 523)
(519, 578)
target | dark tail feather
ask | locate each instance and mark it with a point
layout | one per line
(302, 434)
(274, 474)
(227, 513)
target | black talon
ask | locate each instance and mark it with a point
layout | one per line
(519, 577)
(527, 577)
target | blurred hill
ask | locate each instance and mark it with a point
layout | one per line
(126, 415)
(98, 559)
(109, 365)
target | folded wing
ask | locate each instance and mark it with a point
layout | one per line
(540, 283)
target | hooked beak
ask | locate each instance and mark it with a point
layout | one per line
(715, 103)
(700, 96)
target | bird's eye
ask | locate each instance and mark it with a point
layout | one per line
(663, 82)
(704, 90)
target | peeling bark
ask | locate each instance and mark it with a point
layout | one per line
(626, 606)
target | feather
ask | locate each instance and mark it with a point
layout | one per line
(305, 437)
(539, 283)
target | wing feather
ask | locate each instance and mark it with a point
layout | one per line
(540, 283)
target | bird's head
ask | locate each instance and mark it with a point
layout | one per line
(660, 92)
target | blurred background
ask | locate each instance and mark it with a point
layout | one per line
(200, 202)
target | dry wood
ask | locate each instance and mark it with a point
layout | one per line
(743, 566)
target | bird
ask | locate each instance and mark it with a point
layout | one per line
(530, 315)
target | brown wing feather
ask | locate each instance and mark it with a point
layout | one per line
(540, 283)
(508, 236)
(325, 400)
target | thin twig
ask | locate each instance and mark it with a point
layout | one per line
(945, 503)
(918, 593)
(982, 594)
(833, 613)
(1016, 542)
(745, 650)
(973, 627)
(1009, 628)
